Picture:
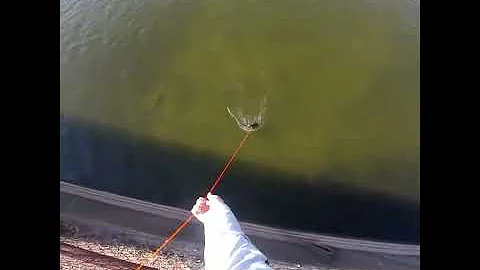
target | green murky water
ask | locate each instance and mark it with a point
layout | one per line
(341, 77)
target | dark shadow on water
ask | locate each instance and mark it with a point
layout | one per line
(101, 157)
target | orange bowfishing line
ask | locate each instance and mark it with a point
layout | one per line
(211, 189)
